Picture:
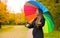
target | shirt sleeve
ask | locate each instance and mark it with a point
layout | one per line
(31, 25)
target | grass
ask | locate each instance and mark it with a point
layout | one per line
(54, 34)
(5, 28)
(23, 30)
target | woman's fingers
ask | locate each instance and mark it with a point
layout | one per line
(27, 25)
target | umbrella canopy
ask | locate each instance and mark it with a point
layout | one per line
(49, 23)
(30, 13)
(39, 5)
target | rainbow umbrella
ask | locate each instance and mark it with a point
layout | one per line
(30, 13)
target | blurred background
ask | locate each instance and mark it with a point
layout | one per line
(12, 23)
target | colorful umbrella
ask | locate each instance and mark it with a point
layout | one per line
(39, 5)
(30, 13)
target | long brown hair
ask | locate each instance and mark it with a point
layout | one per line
(39, 17)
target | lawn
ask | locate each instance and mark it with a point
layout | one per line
(19, 31)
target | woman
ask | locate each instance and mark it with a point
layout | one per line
(37, 25)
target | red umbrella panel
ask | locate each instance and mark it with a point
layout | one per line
(30, 13)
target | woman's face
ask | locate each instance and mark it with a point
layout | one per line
(38, 14)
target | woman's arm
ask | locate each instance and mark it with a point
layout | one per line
(31, 25)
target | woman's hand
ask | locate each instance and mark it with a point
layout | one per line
(27, 24)
(38, 23)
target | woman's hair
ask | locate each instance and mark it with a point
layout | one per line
(40, 11)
